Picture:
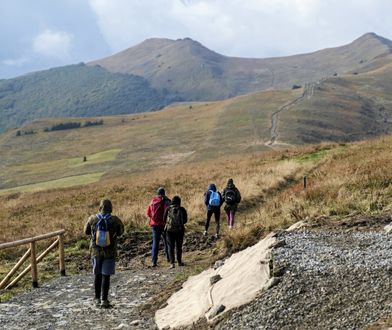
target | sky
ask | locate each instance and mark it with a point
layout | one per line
(41, 34)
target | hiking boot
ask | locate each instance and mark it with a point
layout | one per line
(216, 236)
(97, 302)
(181, 264)
(171, 266)
(205, 234)
(154, 265)
(106, 304)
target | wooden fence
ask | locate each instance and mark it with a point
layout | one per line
(34, 260)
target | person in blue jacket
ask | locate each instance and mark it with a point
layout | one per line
(213, 201)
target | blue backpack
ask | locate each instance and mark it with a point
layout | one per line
(214, 198)
(101, 234)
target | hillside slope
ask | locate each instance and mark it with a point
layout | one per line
(75, 90)
(192, 71)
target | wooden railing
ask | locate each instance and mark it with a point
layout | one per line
(4, 284)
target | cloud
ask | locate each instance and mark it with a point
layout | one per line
(256, 28)
(55, 44)
(17, 62)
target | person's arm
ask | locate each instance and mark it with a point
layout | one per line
(184, 215)
(120, 227)
(87, 227)
(221, 199)
(238, 196)
(206, 197)
(149, 211)
(165, 215)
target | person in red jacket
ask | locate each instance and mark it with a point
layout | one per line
(155, 212)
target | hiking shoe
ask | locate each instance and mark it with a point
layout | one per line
(205, 234)
(171, 266)
(216, 236)
(106, 304)
(181, 264)
(97, 302)
(154, 265)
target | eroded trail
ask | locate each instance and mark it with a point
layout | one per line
(306, 95)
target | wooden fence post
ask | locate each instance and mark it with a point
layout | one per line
(13, 270)
(34, 271)
(61, 255)
(305, 183)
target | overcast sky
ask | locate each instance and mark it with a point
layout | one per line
(39, 34)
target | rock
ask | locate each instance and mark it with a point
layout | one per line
(388, 228)
(218, 263)
(215, 278)
(135, 322)
(216, 311)
(278, 244)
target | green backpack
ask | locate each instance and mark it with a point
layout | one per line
(174, 222)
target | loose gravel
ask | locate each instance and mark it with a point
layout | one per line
(331, 280)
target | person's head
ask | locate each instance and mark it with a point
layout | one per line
(176, 201)
(105, 206)
(230, 182)
(161, 191)
(212, 187)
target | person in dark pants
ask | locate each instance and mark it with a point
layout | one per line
(232, 197)
(103, 252)
(213, 201)
(175, 218)
(155, 212)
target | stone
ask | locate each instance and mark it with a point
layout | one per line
(218, 263)
(215, 278)
(216, 311)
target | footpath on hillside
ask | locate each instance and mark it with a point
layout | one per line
(334, 275)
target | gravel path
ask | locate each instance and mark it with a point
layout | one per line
(332, 280)
(66, 303)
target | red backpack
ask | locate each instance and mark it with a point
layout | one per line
(157, 209)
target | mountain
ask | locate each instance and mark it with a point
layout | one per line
(160, 71)
(75, 90)
(193, 72)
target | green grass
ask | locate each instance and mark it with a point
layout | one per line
(76, 180)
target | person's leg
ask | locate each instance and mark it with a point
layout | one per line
(232, 216)
(156, 237)
(171, 243)
(228, 216)
(166, 246)
(98, 286)
(207, 224)
(217, 221)
(97, 271)
(179, 242)
(105, 287)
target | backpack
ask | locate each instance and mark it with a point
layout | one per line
(214, 198)
(174, 222)
(101, 232)
(157, 211)
(230, 196)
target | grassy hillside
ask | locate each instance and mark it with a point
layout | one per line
(75, 90)
(188, 69)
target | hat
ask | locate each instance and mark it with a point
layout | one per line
(176, 200)
(105, 206)
(161, 191)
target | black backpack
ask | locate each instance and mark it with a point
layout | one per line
(230, 196)
(174, 222)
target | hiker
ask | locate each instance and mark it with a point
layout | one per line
(232, 197)
(175, 218)
(213, 201)
(104, 228)
(155, 212)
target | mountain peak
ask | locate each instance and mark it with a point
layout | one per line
(373, 37)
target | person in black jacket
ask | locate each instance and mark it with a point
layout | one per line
(175, 218)
(213, 201)
(232, 197)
